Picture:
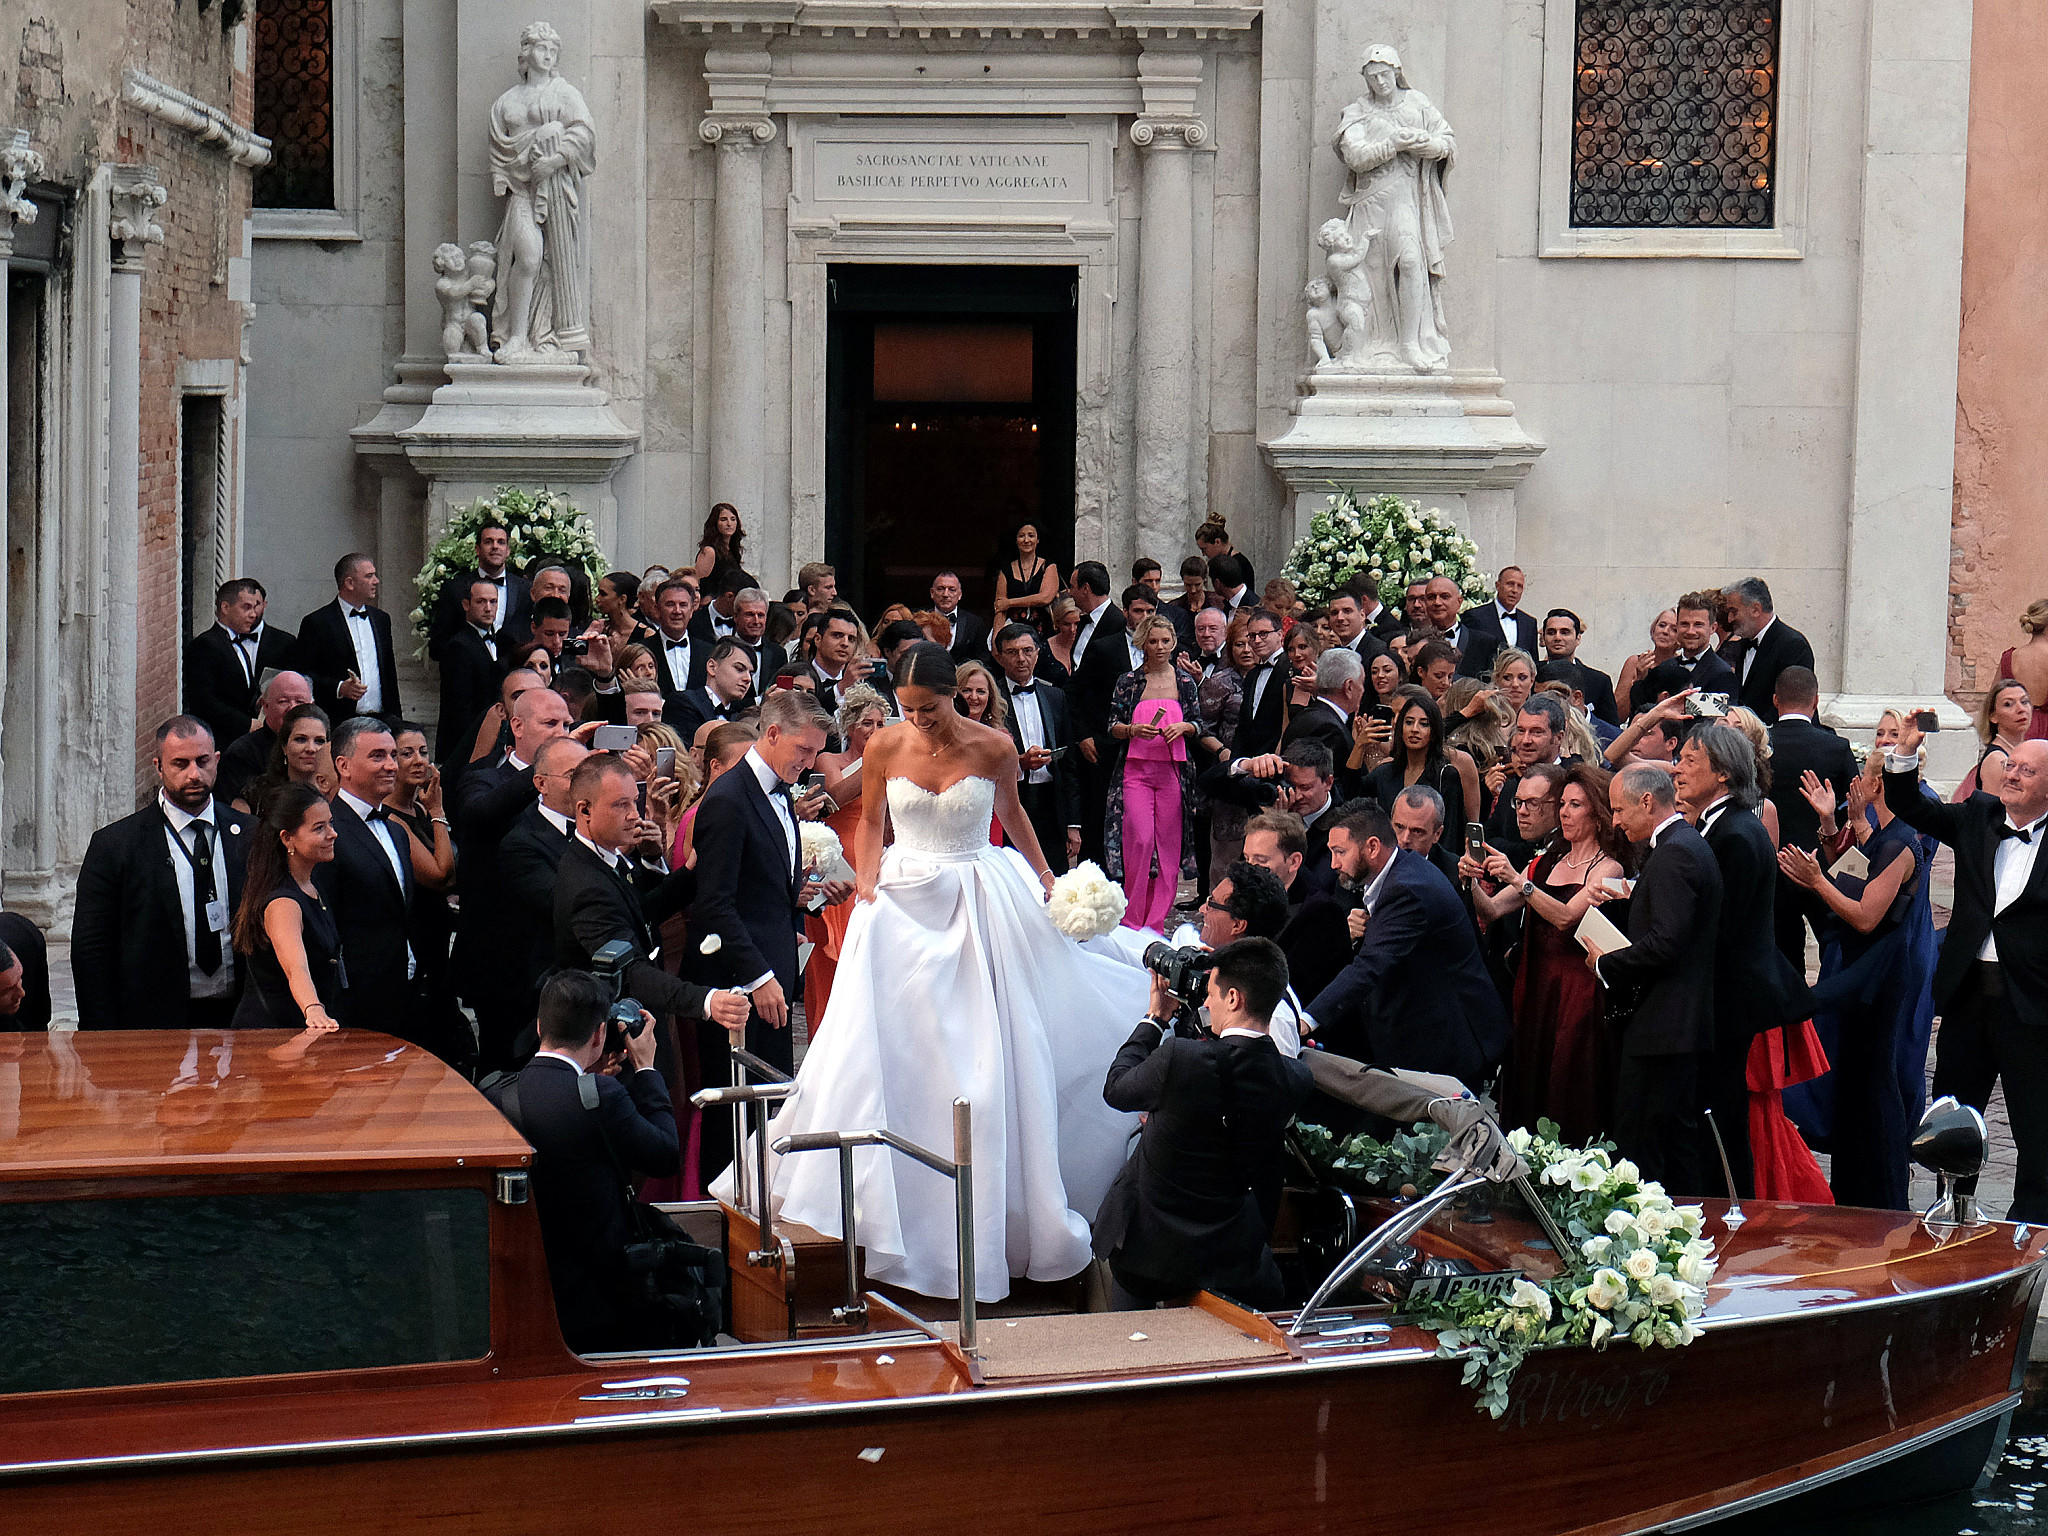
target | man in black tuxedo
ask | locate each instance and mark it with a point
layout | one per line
(1101, 657)
(1764, 647)
(528, 859)
(368, 886)
(509, 614)
(1194, 598)
(1674, 934)
(224, 665)
(470, 669)
(591, 1132)
(345, 648)
(1259, 719)
(1696, 665)
(728, 684)
(970, 630)
(24, 976)
(1800, 745)
(1755, 987)
(1348, 628)
(613, 885)
(1326, 719)
(1475, 646)
(157, 892)
(1418, 817)
(679, 656)
(835, 666)
(1417, 993)
(1308, 785)
(750, 628)
(1562, 632)
(1539, 737)
(1991, 982)
(1048, 788)
(1193, 1208)
(1230, 584)
(250, 756)
(750, 877)
(1503, 617)
(1315, 940)
(717, 617)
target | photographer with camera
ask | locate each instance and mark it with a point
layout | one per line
(597, 1113)
(1193, 1208)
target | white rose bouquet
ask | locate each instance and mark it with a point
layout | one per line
(1387, 540)
(824, 855)
(1085, 903)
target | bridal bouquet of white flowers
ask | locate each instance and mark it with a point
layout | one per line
(1085, 903)
(823, 853)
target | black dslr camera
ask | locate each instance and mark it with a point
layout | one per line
(1185, 971)
(622, 1021)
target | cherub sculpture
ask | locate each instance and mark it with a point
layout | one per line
(1337, 321)
(465, 334)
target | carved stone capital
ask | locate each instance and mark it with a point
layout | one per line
(736, 130)
(18, 166)
(1169, 133)
(136, 193)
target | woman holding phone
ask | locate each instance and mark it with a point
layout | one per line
(1154, 712)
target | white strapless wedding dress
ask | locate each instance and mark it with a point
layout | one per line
(953, 983)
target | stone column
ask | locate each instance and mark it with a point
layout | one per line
(135, 194)
(1167, 133)
(18, 165)
(738, 448)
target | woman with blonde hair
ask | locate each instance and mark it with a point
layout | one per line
(2003, 722)
(2028, 665)
(976, 696)
(1759, 737)
(1153, 713)
(1056, 658)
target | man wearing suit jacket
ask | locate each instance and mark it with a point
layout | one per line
(750, 873)
(591, 1131)
(24, 976)
(368, 886)
(679, 656)
(1037, 717)
(1348, 628)
(1696, 664)
(224, 665)
(1417, 993)
(345, 647)
(728, 684)
(1991, 982)
(1800, 745)
(528, 859)
(1193, 1207)
(1101, 656)
(1755, 987)
(970, 630)
(470, 669)
(1340, 689)
(750, 628)
(1562, 632)
(157, 893)
(1764, 647)
(1265, 690)
(1475, 646)
(493, 565)
(1316, 940)
(1674, 931)
(1503, 616)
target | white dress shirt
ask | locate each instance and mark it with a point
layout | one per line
(1086, 632)
(1263, 674)
(387, 838)
(1030, 718)
(610, 857)
(562, 824)
(245, 648)
(1713, 813)
(364, 638)
(222, 981)
(1749, 650)
(2011, 868)
(489, 637)
(1372, 891)
(678, 654)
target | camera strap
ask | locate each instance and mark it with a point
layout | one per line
(586, 1093)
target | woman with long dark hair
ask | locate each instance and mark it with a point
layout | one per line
(1026, 583)
(618, 601)
(298, 756)
(720, 548)
(282, 927)
(1418, 756)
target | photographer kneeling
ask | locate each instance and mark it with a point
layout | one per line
(1194, 1206)
(591, 1133)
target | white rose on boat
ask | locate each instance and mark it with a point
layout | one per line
(1085, 903)
(1607, 1289)
(1642, 1267)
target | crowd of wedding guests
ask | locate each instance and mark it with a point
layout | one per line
(1593, 893)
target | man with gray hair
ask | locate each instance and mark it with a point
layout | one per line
(1756, 987)
(1663, 981)
(750, 628)
(1418, 817)
(1340, 689)
(250, 755)
(1763, 647)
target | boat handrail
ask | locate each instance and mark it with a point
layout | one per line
(754, 1081)
(959, 1168)
(1394, 1229)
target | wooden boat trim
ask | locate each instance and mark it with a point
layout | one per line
(1858, 1304)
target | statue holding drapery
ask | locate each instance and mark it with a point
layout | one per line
(543, 151)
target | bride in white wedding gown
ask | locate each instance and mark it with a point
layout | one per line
(953, 983)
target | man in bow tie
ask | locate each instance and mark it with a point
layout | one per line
(493, 565)
(345, 647)
(470, 668)
(679, 656)
(1049, 790)
(750, 628)
(224, 664)
(1697, 665)
(970, 631)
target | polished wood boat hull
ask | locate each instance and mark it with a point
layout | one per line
(1385, 1440)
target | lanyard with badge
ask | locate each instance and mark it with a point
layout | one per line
(215, 915)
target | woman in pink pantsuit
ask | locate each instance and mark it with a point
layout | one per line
(1151, 797)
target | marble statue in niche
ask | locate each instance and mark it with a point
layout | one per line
(543, 151)
(464, 293)
(1397, 149)
(1338, 335)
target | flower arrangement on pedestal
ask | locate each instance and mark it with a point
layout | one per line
(1388, 539)
(1641, 1272)
(542, 525)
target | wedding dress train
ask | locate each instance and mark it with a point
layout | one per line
(953, 983)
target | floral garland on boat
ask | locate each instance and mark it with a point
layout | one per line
(1643, 1266)
(1391, 540)
(543, 525)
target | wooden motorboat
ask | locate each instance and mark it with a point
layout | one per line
(262, 1282)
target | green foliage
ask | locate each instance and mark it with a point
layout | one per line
(543, 525)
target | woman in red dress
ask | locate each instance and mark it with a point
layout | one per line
(860, 716)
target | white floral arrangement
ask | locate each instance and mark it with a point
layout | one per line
(542, 524)
(1387, 539)
(1085, 903)
(824, 855)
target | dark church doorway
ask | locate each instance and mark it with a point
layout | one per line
(949, 421)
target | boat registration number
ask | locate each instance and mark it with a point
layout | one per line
(1443, 1287)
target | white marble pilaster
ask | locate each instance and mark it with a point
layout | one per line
(18, 164)
(136, 194)
(738, 447)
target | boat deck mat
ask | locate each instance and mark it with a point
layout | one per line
(1093, 1343)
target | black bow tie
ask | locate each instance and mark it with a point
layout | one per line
(379, 813)
(2024, 835)
(359, 613)
(1023, 691)
(245, 639)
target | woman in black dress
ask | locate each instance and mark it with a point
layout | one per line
(720, 549)
(1026, 585)
(283, 929)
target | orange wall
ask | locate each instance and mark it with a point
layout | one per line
(1999, 562)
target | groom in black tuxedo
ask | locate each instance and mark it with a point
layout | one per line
(750, 875)
(1048, 788)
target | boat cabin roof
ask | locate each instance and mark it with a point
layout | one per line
(162, 1102)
